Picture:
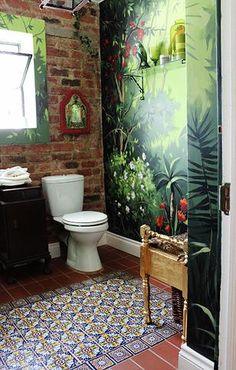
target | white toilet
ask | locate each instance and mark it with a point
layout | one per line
(64, 198)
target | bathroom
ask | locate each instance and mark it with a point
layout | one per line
(73, 65)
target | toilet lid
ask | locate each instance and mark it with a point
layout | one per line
(85, 218)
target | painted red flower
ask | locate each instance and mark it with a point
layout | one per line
(181, 216)
(132, 24)
(160, 221)
(128, 46)
(167, 228)
(124, 64)
(140, 33)
(119, 77)
(162, 205)
(141, 24)
(183, 204)
(127, 50)
(134, 50)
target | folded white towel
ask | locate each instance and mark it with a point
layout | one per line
(14, 176)
(14, 171)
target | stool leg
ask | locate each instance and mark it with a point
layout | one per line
(184, 335)
(146, 295)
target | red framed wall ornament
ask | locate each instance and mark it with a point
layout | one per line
(75, 113)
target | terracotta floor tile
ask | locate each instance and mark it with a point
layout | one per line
(176, 340)
(49, 284)
(5, 297)
(75, 277)
(9, 286)
(134, 271)
(19, 292)
(149, 361)
(115, 264)
(62, 279)
(121, 253)
(168, 352)
(33, 288)
(128, 262)
(126, 365)
(158, 283)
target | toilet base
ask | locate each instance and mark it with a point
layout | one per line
(83, 257)
(86, 272)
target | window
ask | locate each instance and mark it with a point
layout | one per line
(17, 87)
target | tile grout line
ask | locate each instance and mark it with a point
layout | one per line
(162, 358)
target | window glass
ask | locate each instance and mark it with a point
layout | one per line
(17, 88)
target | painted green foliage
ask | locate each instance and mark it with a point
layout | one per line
(144, 140)
(203, 118)
(37, 29)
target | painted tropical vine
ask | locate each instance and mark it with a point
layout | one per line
(37, 29)
(144, 133)
(203, 147)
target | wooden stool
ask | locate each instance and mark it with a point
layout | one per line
(164, 258)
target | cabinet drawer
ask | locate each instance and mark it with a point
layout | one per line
(20, 194)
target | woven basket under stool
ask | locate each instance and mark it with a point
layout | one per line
(177, 305)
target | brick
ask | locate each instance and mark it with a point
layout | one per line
(71, 164)
(59, 72)
(57, 52)
(68, 82)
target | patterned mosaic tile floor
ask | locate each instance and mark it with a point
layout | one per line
(94, 324)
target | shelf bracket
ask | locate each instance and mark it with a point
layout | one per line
(135, 79)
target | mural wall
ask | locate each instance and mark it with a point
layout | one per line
(144, 115)
(203, 151)
(145, 138)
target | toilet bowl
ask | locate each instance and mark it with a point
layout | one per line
(64, 199)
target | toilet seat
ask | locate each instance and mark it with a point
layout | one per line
(85, 219)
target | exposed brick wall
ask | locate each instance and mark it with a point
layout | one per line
(69, 66)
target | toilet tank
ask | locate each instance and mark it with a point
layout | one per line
(63, 194)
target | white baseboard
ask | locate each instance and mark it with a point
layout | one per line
(103, 240)
(54, 250)
(124, 244)
(192, 360)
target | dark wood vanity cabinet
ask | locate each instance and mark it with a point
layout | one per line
(23, 232)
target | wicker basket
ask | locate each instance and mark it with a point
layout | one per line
(177, 305)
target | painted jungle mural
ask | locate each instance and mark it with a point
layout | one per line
(203, 228)
(147, 109)
(144, 115)
(36, 27)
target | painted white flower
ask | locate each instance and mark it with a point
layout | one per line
(131, 166)
(144, 156)
(140, 175)
(127, 209)
(141, 209)
(119, 213)
(128, 197)
(133, 185)
(125, 175)
(118, 205)
(115, 174)
(147, 164)
(142, 186)
(132, 195)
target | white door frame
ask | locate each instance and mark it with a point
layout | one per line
(227, 338)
